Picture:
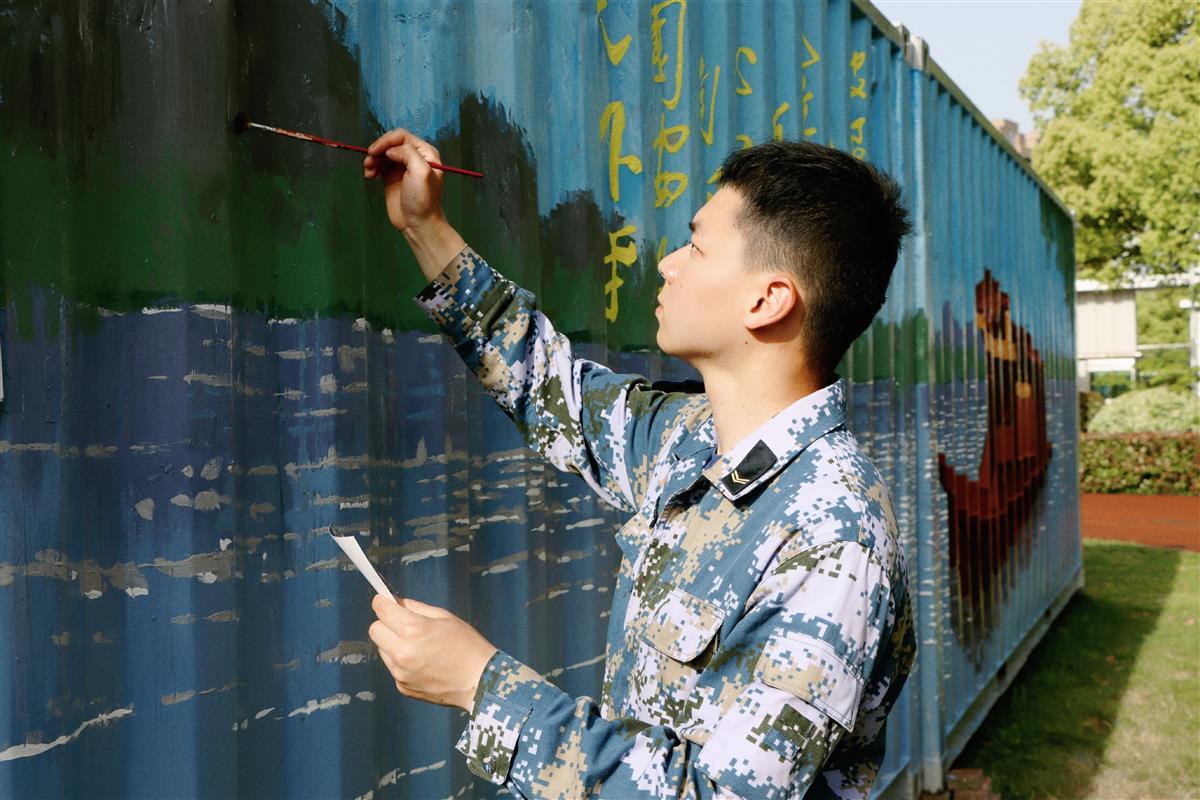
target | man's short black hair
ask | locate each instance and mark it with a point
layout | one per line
(832, 220)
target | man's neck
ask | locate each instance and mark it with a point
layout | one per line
(744, 397)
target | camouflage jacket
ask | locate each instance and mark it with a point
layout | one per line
(761, 627)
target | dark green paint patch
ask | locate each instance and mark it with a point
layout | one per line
(890, 351)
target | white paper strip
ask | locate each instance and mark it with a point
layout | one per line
(351, 548)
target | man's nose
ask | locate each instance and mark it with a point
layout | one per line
(668, 267)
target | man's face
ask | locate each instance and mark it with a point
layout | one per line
(705, 285)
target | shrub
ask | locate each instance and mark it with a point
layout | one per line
(1089, 404)
(1111, 384)
(1159, 410)
(1140, 463)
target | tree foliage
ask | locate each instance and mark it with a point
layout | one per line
(1160, 321)
(1118, 110)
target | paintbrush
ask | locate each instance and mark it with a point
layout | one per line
(242, 123)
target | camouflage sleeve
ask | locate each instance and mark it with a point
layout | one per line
(579, 415)
(785, 688)
(852, 769)
(815, 625)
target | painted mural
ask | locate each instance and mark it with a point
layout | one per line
(988, 515)
(210, 357)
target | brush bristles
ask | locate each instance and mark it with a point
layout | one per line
(241, 123)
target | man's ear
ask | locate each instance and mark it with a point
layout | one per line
(776, 298)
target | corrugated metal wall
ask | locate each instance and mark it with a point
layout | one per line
(210, 357)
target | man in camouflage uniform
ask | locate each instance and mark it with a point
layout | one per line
(761, 627)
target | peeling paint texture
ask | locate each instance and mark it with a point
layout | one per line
(211, 356)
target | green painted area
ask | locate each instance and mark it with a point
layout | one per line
(312, 243)
(890, 351)
(316, 244)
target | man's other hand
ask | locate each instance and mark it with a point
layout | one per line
(433, 655)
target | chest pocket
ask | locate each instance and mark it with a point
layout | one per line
(682, 625)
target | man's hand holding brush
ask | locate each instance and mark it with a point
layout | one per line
(413, 193)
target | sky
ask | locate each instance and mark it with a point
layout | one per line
(985, 45)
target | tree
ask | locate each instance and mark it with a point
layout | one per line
(1118, 110)
(1160, 321)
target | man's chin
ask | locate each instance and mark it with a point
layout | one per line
(667, 348)
(662, 342)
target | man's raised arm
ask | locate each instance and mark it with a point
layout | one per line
(579, 415)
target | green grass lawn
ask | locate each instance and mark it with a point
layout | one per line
(1108, 705)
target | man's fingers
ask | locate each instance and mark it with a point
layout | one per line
(390, 139)
(424, 609)
(392, 614)
(383, 636)
(399, 148)
(376, 165)
(399, 138)
(387, 660)
(427, 151)
(407, 156)
(373, 166)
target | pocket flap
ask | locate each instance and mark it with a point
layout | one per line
(811, 669)
(682, 625)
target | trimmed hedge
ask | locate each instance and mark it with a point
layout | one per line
(1139, 463)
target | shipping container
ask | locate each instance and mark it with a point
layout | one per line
(211, 360)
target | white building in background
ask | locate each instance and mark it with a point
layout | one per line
(1193, 308)
(1106, 325)
(1105, 331)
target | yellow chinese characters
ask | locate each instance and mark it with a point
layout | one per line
(806, 95)
(668, 186)
(658, 20)
(858, 96)
(615, 50)
(619, 254)
(711, 106)
(612, 124)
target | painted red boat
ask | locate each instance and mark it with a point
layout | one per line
(989, 515)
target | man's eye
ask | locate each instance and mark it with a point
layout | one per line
(692, 245)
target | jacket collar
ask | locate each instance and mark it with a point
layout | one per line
(761, 454)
